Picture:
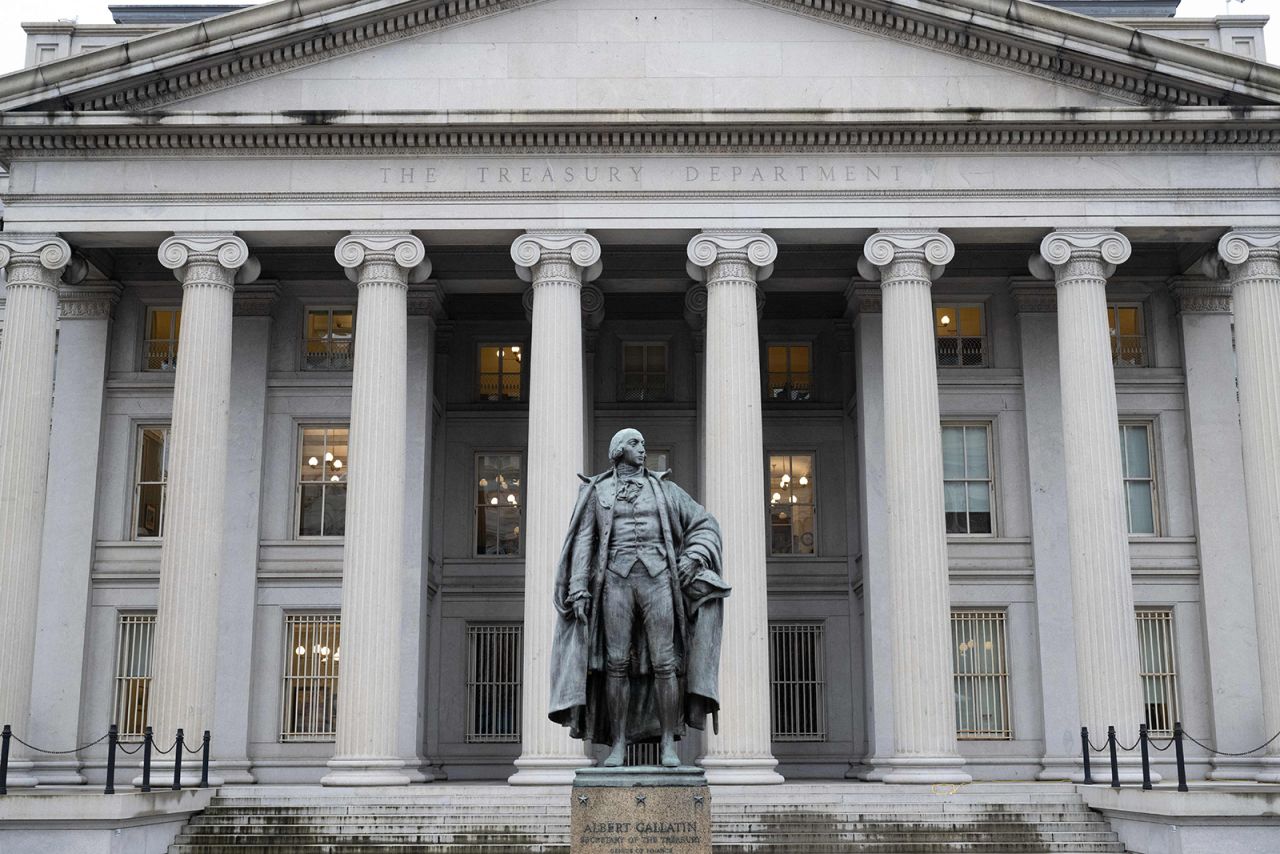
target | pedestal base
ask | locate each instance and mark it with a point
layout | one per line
(365, 772)
(926, 769)
(640, 810)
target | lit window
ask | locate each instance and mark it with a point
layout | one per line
(791, 504)
(644, 371)
(330, 339)
(966, 478)
(790, 369)
(1139, 478)
(1159, 669)
(160, 347)
(150, 482)
(493, 683)
(498, 502)
(322, 482)
(309, 699)
(498, 377)
(981, 670)
(960, 336)
(1128, 343)
(797, 684)
(134, 635)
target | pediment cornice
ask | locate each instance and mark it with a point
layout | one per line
(153, 72)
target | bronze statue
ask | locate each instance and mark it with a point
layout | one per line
(640, 596)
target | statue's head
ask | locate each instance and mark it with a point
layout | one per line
(627, 445)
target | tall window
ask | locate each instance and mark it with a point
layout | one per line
(797, 682)
(1139, 479)
(966, 473)
(134, 635)
(498, 504)
(982, 674)
(791, 504)
(160, 345)
(330, 339)
(498, 375)
(790, 371)
(1128, 341)
(493, 683)
(644, 370)
(150, 481)
(1159, 669)
(309, 698)
(961, 336)
(322, 482)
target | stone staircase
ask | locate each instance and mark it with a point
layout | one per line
(795, 818)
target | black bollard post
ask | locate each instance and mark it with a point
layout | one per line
(1182, 761)
(147, 737)
(1115, 763)
(1146, 757)
(1084, 751)
(204, 762)
(113, 738)
(5, 735)
(177, 761)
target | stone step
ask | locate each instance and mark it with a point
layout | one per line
(354, 823)
(478, 847)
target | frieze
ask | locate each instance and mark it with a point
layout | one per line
(1202, 297)
(87, 302)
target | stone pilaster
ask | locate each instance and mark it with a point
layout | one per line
(906, 262)
(191, 557)
(366, 752)
(33, 265)
(1253, 260)
(731, 264)
(1106, 636)
(556, 264)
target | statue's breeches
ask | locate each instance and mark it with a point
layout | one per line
(647, 597)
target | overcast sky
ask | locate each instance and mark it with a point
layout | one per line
(14, 12)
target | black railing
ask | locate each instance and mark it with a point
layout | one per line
(1145, 744)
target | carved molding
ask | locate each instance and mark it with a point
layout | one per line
(695, 307)
(33, 260)
(884, 249)
(752, 247)
(576, 248)
(88, 302)
(1060, 249)
(1034, 298)
(426, 299)
(862, 298)
(256, 300)
(1201, 296)
(220, 259)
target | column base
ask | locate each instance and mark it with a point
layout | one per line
(926, 769)
(1269, 773)
(233, 770)
(872, 769)
(58, 772)
(20, 774)
(753, 771)
(365, 772)
(547, 770)
(1129, 768)
(1061, 768)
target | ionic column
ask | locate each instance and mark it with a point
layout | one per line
(1106, 634)
(556, 264)
(906, 262)
(366, 751)
(33, 265)
(731, 263)
(1253, 259)
(191, 557)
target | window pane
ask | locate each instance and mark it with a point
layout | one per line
(632, 357)
(777, 358)
(970, 318)
(981, 674)
(952, 452)
(150, 505)
(343, 323)
(311, 510)
(800, 359)
(656, 359)
(1137, 453)
(802, 530)
(313, 465)
(954, 497)
(152, 461)
(317, 323)
(944, 321)
(498, 504)
(335, 509)
(979, 522)
(979, 497)
(309, 698)
(975, 446)
(1141, 511)
(489, 359)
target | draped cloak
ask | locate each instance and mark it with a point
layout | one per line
(578, 676)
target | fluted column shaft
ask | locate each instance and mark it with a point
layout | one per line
(556, 265)
(1253, 259)
(192, 552)
(33, 266)
(1106, 635)
(365, 752)
(923, 691)
(731, 263)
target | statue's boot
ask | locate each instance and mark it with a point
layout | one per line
(668, 714)
(619, 689)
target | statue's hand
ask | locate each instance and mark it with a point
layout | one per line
(688, 568)
(580, 610)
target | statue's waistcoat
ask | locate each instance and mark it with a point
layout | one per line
(635, 532)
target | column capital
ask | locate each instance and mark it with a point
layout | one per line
(538, 247)
(34, 259)
(1194, 295)
(401, 248)
(1238, 245)
(88, 302)
(905, 244)
(1063, 246)
(748, 244)
(222, 249)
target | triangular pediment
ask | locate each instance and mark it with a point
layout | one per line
(718, 56)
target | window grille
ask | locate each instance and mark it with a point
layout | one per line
(790, 371)
(791, 505)
(498, 500)
(797, 682)
(134, 636)
(498, 375)
(979, 657)
(150, 482)
(961, 336)
(310, 696)
(1128, 341)
(493, 683)
(1159, 670)
(1138, 466)
(160, 344)
(644, 371)
(966, 478)
(322, 481)
(642, 753)
(330, 339)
